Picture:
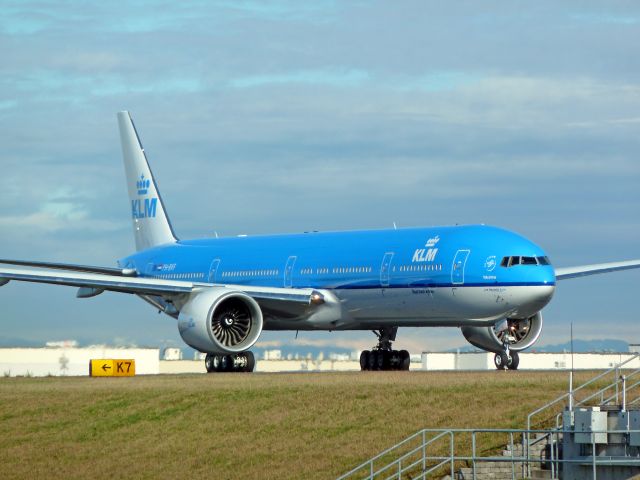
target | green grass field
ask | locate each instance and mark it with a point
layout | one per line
(244, 426)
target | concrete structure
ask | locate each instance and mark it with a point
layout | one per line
(41, 362)
(273, 354)
(172, 353)
(610, 433)
(528, 361)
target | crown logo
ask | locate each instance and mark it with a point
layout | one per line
(143, 185)
(432, 241)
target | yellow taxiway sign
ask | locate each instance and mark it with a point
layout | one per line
(112, 368)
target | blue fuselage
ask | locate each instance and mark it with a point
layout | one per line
(418, 276)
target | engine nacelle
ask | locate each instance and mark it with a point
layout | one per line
(219, 320)
(520, 334)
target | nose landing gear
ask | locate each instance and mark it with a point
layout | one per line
(382, 356)
(509, 332)
(239, 362)
(506, 360)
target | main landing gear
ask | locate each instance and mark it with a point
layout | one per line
(239, 362)
(382, 356)
(507, 359)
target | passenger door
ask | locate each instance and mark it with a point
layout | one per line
(288, 271)
(385, 268)
(213, 270)
(457, 269)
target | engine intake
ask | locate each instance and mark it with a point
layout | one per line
(520, 334)
(220, 321)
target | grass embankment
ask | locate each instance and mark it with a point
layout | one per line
(244, 426)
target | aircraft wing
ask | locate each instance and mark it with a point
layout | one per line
(71, 267)
(584, 270)
(150, 286)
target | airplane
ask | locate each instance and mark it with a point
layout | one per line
(490, 282)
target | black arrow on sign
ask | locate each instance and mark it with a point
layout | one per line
(105, 367)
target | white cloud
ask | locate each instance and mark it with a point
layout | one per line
(290, 116)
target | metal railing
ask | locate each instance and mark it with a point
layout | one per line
(569, 400)
(410, 456)
(417, 463)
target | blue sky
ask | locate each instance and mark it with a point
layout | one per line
(264, 117)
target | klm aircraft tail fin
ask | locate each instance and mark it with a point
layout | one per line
(151, 225)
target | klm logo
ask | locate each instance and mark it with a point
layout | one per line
(146, 209)
(142, 185)
(433, 241)
(143, 208)
(429, 253)
(424, 255)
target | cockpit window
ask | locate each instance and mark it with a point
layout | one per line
(514, 260)
(544, 261)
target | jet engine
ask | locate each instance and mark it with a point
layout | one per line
(220, 321)
(519, 333)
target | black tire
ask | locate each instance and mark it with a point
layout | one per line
(386, 360)
(394, 360)
(372, 360)
(514, 361)
(405, 360)
(380, 360)
(226, 363)
(251, 362)
(364, 360)
(216, 363)
(209, 364)
(500, 360)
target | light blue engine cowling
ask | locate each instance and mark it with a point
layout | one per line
(519, 334)
(219, 320)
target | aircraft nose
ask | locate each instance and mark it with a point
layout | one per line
(536, 298)
(543, 295)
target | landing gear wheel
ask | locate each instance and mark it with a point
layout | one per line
(501, 360)
(226, 363)
(405, 360)
(251, 362)
(382, 356)
(240, 362)
(217, 363)
(380, 360)
(209, 363)
(364, 360)
(514, 361)
(371, 364)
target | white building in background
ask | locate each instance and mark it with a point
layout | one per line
(528, 361)
(172, 354)
(62, 361)
(62, 344)
(272, 355)
(70, 361)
